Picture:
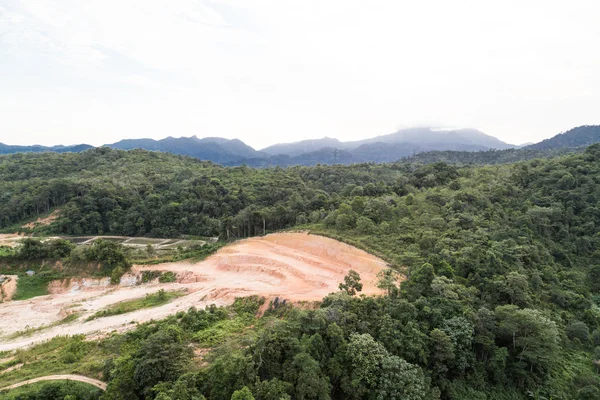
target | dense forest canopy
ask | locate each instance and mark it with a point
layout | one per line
(503, 263)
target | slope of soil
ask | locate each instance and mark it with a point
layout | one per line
(292, 266)
(43, 221)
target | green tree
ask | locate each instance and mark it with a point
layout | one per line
(351, 284)
(387, 279)
(242, 394)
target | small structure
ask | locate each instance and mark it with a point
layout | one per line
(2, 278)
(30, 273)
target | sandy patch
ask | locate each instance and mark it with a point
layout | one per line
(43, 221)
(292, 266)
(10, 239)
(8, 287)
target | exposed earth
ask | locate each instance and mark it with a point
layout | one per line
(292, 266)
(8, 287)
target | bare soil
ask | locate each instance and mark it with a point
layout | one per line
(43, 221)
(298, 267)
(8, 287)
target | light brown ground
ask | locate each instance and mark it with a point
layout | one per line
(43, 221)
(10, 239)
(8, 287)
(10, 369)
(78, 378)
(292, 266)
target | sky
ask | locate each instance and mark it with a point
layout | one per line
(269, 71)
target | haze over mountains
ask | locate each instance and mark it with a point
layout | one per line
(384, 148)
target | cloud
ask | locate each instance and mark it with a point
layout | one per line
(342, 68)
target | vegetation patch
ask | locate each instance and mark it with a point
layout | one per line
(29, 286)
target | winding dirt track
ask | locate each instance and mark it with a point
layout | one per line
(78, 378)
(292, 266)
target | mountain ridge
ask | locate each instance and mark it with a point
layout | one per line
(384, 148)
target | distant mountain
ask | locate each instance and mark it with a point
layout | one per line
(8, 149)
(219, 150)
(416, 144)
(402, 143)
(576, 137)
(304, 146)
(439, 139)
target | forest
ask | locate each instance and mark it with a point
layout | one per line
(501, 300)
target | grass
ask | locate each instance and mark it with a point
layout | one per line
(151, 300)
(32, 286)
(194, 253)
(144, 241)
(60, 355)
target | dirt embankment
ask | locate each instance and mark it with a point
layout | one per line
(43, 221)
(292, 266)
(8, 287)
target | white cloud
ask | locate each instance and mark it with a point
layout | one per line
(273, 70)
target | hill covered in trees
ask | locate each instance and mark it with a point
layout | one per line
(576, 137)
(502, 298)
(8, 149)
(489, 157)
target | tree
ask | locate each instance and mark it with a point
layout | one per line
(419, 281)
(163, 357)
(400, 380)
(32, 249)
(375, 374)
(387, 279)
(578, 330)
(308, 379)
(351, 284)
(531, 339)
(274, 389)
(442, 351)
(242, 394)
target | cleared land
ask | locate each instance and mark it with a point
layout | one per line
(292, 266)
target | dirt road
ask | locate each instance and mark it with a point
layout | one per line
(292, 266)
(78, 378)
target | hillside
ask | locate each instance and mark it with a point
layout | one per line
(8, 149)
(501, 298)
(439, 139)
(304, 146)
(576, 137)
(488, 157)
(219, 150)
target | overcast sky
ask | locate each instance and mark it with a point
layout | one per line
(267, 71)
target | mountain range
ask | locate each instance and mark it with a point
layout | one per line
(384, 148)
